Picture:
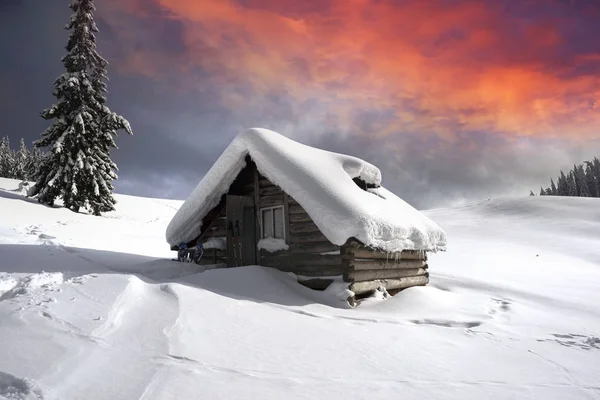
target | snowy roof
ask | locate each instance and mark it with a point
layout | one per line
(322, 183)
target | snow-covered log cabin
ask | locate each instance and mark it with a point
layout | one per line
(271, 201)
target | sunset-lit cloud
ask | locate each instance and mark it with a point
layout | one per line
(433, 66)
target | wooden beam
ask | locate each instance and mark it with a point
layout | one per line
(307, 237)
(374, 264)
(270, 191)
(301, 260)
(369, 275)
(323, 270)
(301, 217)
(358, 250)
(303, 227)
(270, 201)
(256, 208)
(286, 216)
(296, 209)
(388, 284)
(309, 248)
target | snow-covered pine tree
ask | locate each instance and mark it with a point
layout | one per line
(571, 185)
(6, 158)
(562, 189)
(33, 162)
(553, 189)
(78, 166)
(590, 179)
(20, 160)
(582, 187)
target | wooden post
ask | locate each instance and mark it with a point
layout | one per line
(257, 208)
(286, 217)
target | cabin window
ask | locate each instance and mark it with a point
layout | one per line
(272, 223)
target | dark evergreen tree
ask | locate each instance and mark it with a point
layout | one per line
(531, 193)
(542, 191)
(78, 165)
(20, 161)
(34, 160)
(590, 179)
(553, 189)
(6, 158)
(571, 185)
(582, 187)
(562, 189)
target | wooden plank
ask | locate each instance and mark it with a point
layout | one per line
(270, 191)
(256, 209)
(303, 227)
(309, 248)
(358, 250)
(374, 264)
(296, 209)
(308, 260)
(323, 270)
(292, 200)
(388, 284)
(286, 217)
(301, 217)
(270, 201)
(216, 231)
(404, 255)
(264, 182)
(308, 237)
(369, 275)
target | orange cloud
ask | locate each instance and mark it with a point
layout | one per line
(436, 66)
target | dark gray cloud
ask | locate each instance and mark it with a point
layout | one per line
(181, 126)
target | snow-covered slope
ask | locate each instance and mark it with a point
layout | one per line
(92, 308)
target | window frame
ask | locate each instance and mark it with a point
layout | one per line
(261, 221)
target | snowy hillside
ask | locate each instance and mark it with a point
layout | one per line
(93, 308)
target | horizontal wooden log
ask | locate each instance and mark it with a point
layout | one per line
(323, 270)
(303, 227)
(388, 284)
(300, 217)
(316, 247)
(374, 264)
(264, 182)
(369, 275)
(308, 237)
(270, 201)
(315, 283)
(404, 255)
(216, 231)
(292, 200)
(270, 191)
(296, 209)
(301, 259)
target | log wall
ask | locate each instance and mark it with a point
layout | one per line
(306, 243)
(367, 269)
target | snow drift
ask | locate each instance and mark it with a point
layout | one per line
(322, 183)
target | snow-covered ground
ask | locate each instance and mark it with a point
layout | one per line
(93, 308)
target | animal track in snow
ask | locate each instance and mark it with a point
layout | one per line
(499, 306)
(575, 340)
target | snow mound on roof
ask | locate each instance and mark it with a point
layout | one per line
(322, 183)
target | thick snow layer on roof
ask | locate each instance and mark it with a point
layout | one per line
(321, 182)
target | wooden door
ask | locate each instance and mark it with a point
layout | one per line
(241, 231)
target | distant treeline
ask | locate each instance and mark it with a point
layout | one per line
(20, 163)
(582, 181)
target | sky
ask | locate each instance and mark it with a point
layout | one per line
(455, 101)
